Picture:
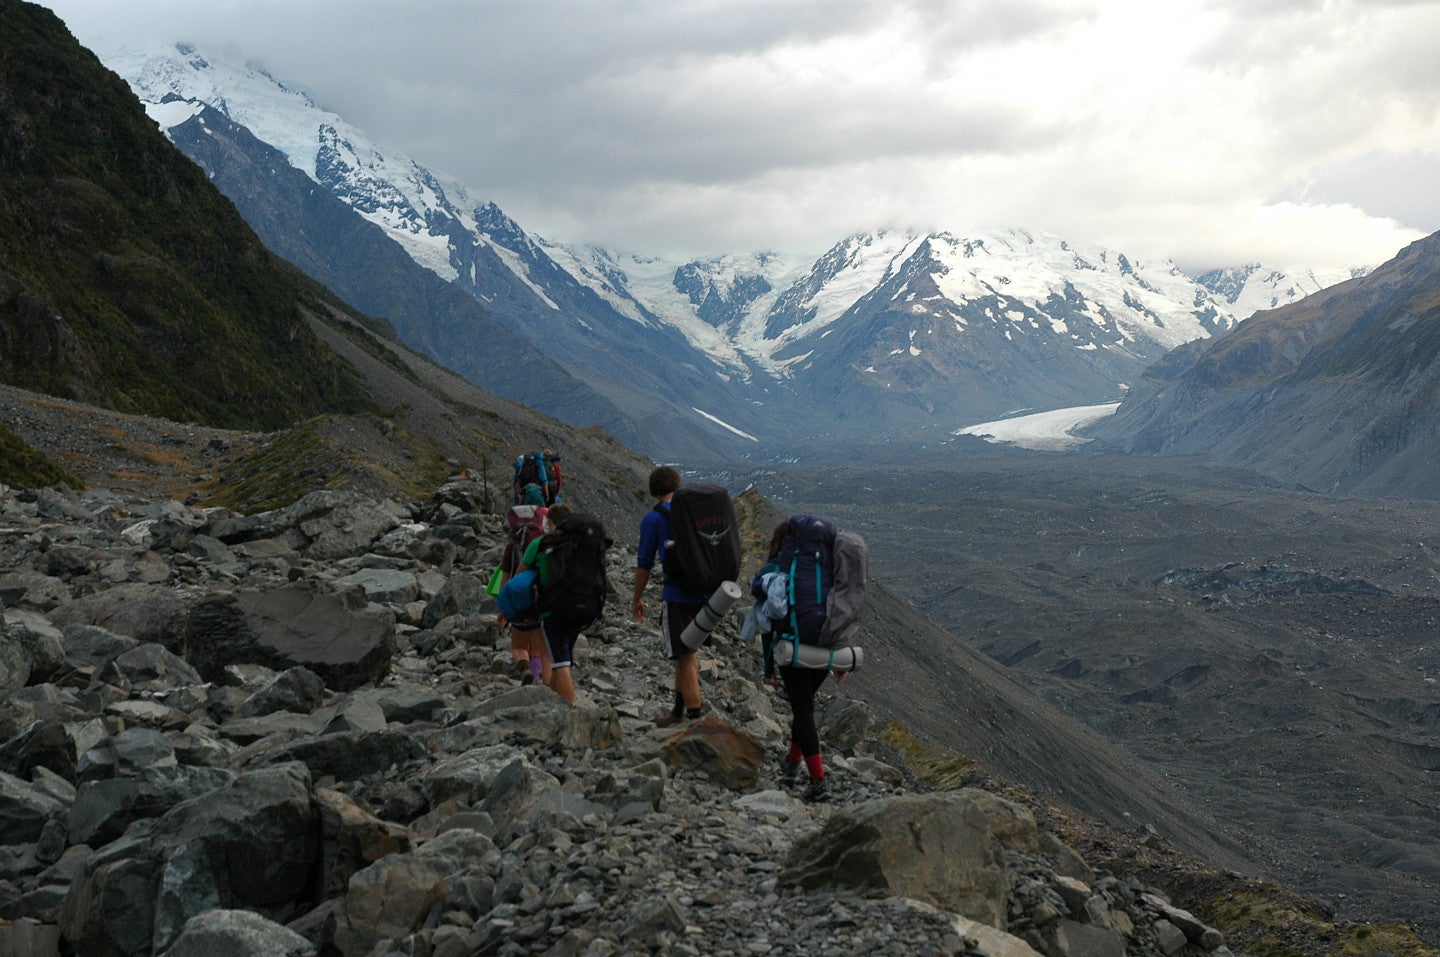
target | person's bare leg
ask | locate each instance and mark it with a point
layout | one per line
(562, 684)
(687, 679)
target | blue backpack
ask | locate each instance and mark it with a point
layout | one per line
(517, 595)
(825, 573)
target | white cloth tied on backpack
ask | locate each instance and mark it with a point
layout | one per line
(763, 615)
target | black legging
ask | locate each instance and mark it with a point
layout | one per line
(800, 687)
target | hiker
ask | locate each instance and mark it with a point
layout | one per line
(678, 606)
(774, 591)
(529, 522)
(537, 478)
(571, 591)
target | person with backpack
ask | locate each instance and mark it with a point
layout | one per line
(679, 603)
(542, 471)
(810, 591)
(571, 586)
(527, 522)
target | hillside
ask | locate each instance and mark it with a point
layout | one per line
(1336, 392)
(125, 278)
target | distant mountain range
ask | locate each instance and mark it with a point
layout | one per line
(892, 334)
(1337, 392)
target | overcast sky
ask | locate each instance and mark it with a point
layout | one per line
(1212, 132)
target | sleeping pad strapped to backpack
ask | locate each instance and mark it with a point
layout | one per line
(575, 587)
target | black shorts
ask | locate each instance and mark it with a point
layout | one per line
(675, 617)
(559, 643)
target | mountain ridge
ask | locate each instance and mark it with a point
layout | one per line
(723, 343)
(1336, 392)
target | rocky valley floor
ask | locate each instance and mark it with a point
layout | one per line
(1270, 651)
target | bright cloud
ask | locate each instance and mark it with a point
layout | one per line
(1213, 132)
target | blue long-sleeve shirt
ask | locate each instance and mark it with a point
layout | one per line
(654, 533)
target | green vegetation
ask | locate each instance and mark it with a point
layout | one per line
(324, 453)
(930, 763)
(1269, 921)
(22, 465)
(126, 279)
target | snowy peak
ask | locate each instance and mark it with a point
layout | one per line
(837, 280)
(386, 187)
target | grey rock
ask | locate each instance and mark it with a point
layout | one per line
(295, 689)
(150, 665)
(285, 627)
(28, 589)
(24, 810)
(104, 809)
(965, 834)
(147, 613)
(384, 585)
(249, 845)
(237, 933)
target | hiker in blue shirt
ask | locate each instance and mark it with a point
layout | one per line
(678, 607)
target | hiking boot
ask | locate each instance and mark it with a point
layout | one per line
(668, 719)
(522, 671)
(819, 791)
(789, 770)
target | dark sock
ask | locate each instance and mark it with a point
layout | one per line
(692, 713)
(679, 707)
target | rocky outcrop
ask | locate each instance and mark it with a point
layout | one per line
(235, 800)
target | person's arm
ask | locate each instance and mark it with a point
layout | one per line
(645, 553)
(637, 602)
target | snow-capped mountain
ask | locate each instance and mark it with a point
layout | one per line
(893, 332)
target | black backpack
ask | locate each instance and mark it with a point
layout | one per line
(539, 469)
(575, 587)
(704, 549)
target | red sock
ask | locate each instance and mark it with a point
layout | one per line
(793, 756)
(815, 766)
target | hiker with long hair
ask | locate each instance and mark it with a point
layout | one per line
(799, 684)
(532, 638)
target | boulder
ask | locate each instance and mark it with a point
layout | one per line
(104, 809)
(335, 524)
(31, 650)
(24, 810)
(387, 586)
(288, 627)
(237, 933)
(250, 845)
(45, 744)
(718, 750)
(29, 589)
(945, 849)
(462, 594)
(297, 689)
(145, 612)
(351, 838)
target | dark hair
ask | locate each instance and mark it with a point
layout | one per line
(776, 538)
(664, 479)
(557, 514)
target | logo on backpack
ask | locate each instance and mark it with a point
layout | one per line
(704, 550)
(575, 583)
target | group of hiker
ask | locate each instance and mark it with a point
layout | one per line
(551, 586)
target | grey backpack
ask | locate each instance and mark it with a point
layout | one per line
(851, 562)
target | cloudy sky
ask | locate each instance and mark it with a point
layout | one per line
(1212, 132)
